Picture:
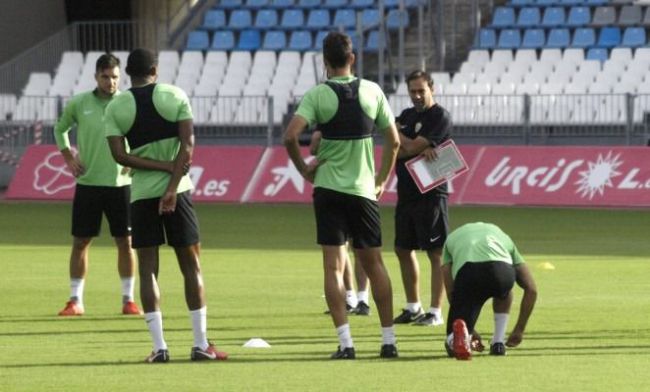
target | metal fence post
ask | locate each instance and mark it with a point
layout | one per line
(269, 126)
(526, 114)
(629, 111)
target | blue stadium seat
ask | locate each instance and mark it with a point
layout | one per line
(198, 40)
(545, 3)
(599, 54)
(634, 37)
(300, 40)
(292, 19)
(334, 4)
(308, 4)
(223, 40)
(578, 16)
(354, 37)
(558, 38)
(318, 19)
(249, 40)
(509, 39)
(583, 37)
(503, 17)
(370, 18)
(318, 41)
(396, 18)
(533, 39)
(230, 4)
(214, 20)
(240, 20)
(569, 3)
(594, 3)
(372, 42)
(553, 17)
(274, 40)
(485, 39)
(281, 4)
(528, 17)
(522, 3)
(609, 37)
(414, 3)
(362, 4)
(346, 18)
(256, 4)
(266, 19)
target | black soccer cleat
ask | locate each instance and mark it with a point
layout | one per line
(388, 351)
(408, 317)
(450, 351)
(346, 353)
(160, 356)
(348, 309)
(498, 349)
(362, 309)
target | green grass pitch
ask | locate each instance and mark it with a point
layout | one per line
(590, 330)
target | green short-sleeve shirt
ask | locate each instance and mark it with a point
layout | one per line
(173, 105)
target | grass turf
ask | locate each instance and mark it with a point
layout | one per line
(590, 330)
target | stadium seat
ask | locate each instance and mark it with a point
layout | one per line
(231, 4)
(318, 19)
(372, 43)
(249, 40)
(318, 41)
(274, 40)
(593, 3)
(604, 16)
(533, 39)
(634, 37)
(525, 56)
(389, 4)
(308, 4)
(345, 18)
(292, 19)
(528, 17)
(578, 16)
(486, 39)
(370, 18)
(240, 19)
(479, 57)
(558, 38)
(573, 56)
(300, 40)
(214, 20)
(334, 4)
(599, 54)
(568, 3)
(197, 40)
(256, 4)
(223, 40)
(642, 54)
(609, 37)
(583, 37)
(354, 37)
(502, 56)
(622, 54)
(282, 4)
(509, 39)
(266, 19)
(503, 17)
(362, 4)
(630, 15)
(396, 19)
(553, 17)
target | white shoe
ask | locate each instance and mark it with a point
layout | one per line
(429, 319)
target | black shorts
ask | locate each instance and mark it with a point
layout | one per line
(421, 224)
(474, 284)
(90, 202)
(340, 216)
(180, 228)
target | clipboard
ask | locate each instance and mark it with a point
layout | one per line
(430, 174)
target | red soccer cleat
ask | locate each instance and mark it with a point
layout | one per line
(130, 307)
(209, 354)
(72, 309)
(461, 342)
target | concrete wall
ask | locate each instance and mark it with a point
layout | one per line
(24, 23)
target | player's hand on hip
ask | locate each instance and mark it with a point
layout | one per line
(167, 203)
(75, 166)
(309, 173)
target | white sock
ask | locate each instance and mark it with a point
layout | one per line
(127, 288)
(450, 339)
(413, 307)
(351, 298)
(500, 325)
(154, 323)
(345, 337)
(436, 311)
(388, 335)
(362, 296)
(77, 290)
(200, 327)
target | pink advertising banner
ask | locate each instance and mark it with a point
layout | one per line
(498, 175)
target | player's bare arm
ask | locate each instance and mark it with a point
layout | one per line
(296, 126)
(74, 164)
(524, 280)
(388, 156)
(121, 156)
(184, 157)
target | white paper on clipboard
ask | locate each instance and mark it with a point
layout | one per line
(430, 174)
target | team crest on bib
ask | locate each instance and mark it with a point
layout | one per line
(418, 126)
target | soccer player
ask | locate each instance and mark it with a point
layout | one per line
(480, 261)
(156, 120)
(102, 186)
(346, 187)
(420, 219)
